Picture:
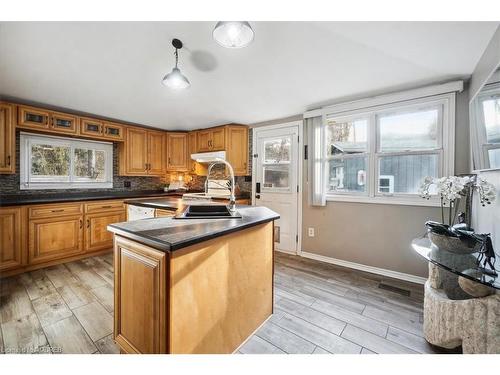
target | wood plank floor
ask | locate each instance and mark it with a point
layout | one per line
(319, 309)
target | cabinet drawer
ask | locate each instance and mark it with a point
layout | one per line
(53, 210)
(104, 206)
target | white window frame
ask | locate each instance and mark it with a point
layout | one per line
(28, 182)
(478, 128)
(373, 107)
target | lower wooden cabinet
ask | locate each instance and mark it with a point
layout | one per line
(12, 237)
(97, 236)
(140, 298)
(54, 238)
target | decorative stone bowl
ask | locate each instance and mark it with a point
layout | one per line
(452, 244)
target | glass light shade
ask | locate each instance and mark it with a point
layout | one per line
(233, 34)
(176, 80)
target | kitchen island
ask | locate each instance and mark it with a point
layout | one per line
(193, 285)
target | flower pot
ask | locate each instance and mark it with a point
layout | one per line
(453, 244)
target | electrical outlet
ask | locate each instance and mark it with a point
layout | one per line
(310, 232)
(126, 184)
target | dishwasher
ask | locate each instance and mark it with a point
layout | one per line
(139, 213)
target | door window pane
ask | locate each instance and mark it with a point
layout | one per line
(491, 111)
(347, 175)
(277, 150)
(404, 173)
(346, 137)
(48, 160)
(417, 130)
(276, 176)
(89, 163)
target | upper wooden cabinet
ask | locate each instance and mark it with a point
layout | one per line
(230, 138)
(177, 152)
(237, 149)
(143, 153)
(12, 237)
(7, 139)
(113, 131)
(212, 139)
(192, 149)
(45, 120)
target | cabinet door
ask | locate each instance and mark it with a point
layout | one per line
(204, 137)
(217, 142)
(63, 123)
(177, 152)
(113, 131)
(91, 127)
(140, 320)
(156, 153)
(192, 149)
(55, 238)
(32, 118)
(7, 139)
(136, 148)
(12, 238)
(97, 236)
(237, 149)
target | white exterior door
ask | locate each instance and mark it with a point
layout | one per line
(276, 179)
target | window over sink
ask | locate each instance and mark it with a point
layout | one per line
(49, 162)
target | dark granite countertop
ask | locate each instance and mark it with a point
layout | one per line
(169, 234)
(24, 199)
(173, 203)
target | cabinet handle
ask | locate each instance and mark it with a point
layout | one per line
(88, 223)
(81, 223)
(46, 120)
(61, 210)
(106, 206)
(8, 160)
(169, 160)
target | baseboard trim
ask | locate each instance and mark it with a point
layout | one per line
(286, 251)
(363, 267)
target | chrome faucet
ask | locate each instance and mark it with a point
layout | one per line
(232, 199)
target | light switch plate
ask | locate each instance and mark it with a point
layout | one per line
(310, 232)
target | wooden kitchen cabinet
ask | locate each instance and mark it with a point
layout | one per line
(63, 123)
(143, 153)
(192, 149)
(237, 149)
(12, 237)
(140, 280)
(156, 153)
(177, 152)
(212, 139)
(97, 236)
(113, 131)
(55, 237)
(91, 127)
(46, 120)
(7, 139)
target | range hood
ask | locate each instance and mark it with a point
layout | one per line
(209, 157)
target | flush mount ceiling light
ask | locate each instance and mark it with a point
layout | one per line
(175, 79)
(233, 34)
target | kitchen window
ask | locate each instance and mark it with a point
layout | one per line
(49, 162)
(381, 153)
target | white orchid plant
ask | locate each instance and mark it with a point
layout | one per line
(452, 188)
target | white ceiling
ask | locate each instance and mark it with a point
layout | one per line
(115, 69)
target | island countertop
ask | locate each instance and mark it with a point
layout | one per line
(169, 234)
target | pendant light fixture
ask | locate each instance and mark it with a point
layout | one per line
(233, 34)
(175, 79)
